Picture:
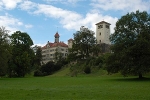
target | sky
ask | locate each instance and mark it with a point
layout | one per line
(41, 19)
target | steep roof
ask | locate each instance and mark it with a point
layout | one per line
(56, 44)
(62, 44)
(102, 23)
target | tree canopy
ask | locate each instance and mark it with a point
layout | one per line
(4, 50)
(83, 45)
(131, 45)
(38, 56)
(22, 54)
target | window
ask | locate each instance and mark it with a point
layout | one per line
(99, 41)
(100, 33)
(47, 55)
(100, 26)
(107, 26)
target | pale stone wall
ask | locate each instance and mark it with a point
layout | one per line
(48, 54)
(103, 33)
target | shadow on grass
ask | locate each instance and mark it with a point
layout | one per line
(128, 79)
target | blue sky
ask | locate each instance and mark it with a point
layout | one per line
(41, 19)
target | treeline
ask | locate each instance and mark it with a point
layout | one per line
(50, 67)
(130, 48)
(130, 51)
(16, 55)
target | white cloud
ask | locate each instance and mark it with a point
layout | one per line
(27, 5)
(12, 24)
(9, 22)
(28, 26)
(92, 18)
(55, 12)
(36, 43)
(65, 16)
(72, 20)
(123, 5)
(19, 23)
(63, 1)
(39, 44)
(69, 19)
(9, 4)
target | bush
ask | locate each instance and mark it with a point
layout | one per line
(38, 73)
(87, 70)
(48, 69)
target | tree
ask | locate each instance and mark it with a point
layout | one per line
(131, 45)
(22, 54)
(60, 61)
(58, 56)
(4, 50)
(38, 56)
(83, 44)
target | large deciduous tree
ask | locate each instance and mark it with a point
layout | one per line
(83, 44)
(22, 54)
(131, 45)
(4, 50)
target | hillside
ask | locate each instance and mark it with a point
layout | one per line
(65, 71)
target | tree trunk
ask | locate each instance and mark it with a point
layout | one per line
(140, 76)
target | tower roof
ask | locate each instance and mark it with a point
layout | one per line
(102, 23)
(56, 35)
(70, 40)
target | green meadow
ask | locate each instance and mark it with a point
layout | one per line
(82, 87)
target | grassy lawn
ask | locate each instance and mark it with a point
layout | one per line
(74, 88)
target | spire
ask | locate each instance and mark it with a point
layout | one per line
(56, 37)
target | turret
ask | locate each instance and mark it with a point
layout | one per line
(56, 37)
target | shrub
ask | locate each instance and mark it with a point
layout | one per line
(47, 68)
(38, 73)
(87, 70)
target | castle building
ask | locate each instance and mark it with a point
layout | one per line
(102, 36)
(49, 50)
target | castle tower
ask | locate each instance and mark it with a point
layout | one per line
(103, 32)
(56, 37)
(70, 43)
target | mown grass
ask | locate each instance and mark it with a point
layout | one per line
(74, 88)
